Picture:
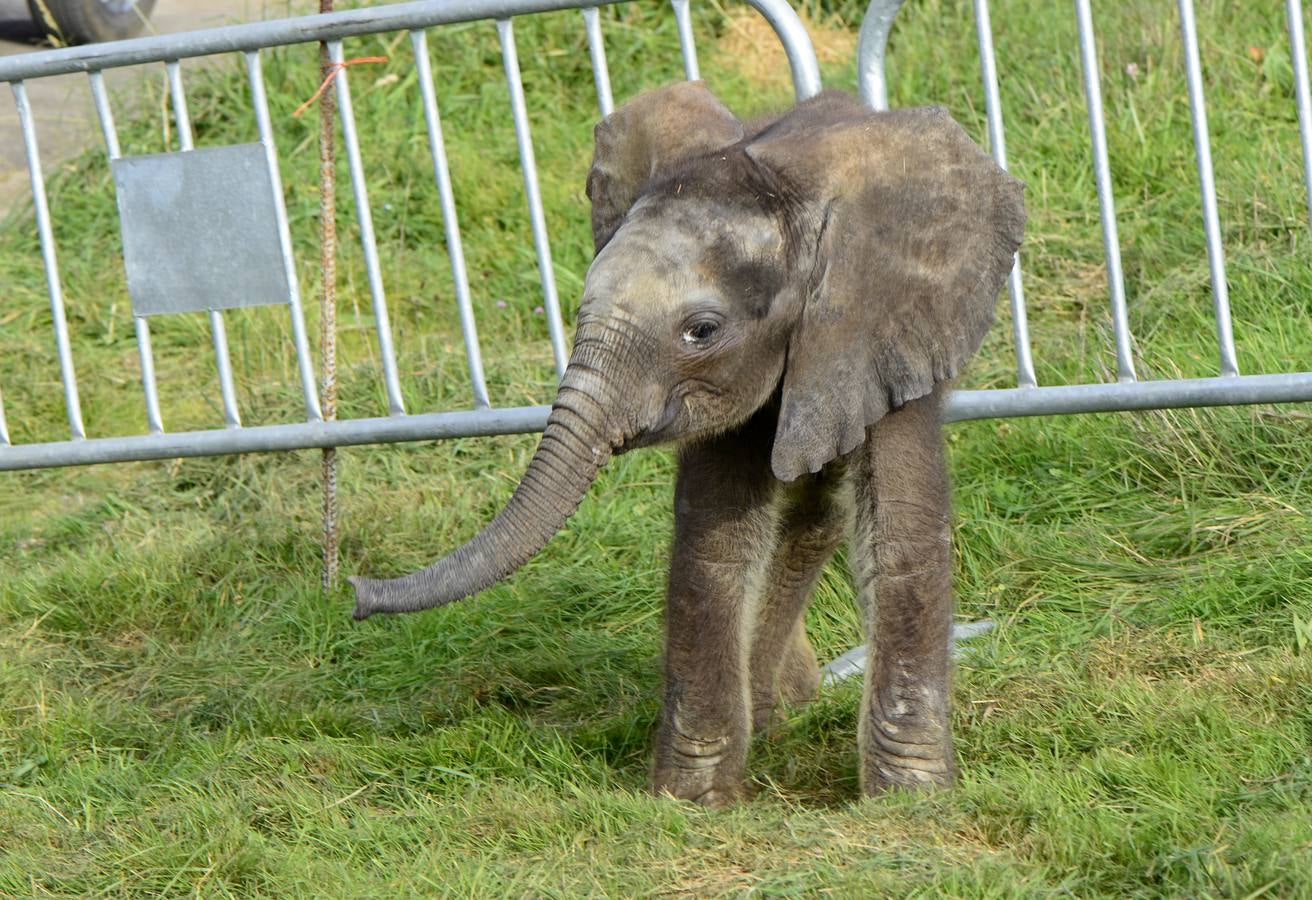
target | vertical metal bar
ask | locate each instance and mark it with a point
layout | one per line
(1020, 329)
(219, 337)
(154, 422)
(683, 17)
(218, 329)
(871, 50)
(365, 218)
(1106, 203)
(1302, 95)
(510, 59)
(1207, 186)
(105, 112)
(450, 224)
(4, 426)
(260, 102)
(179, 98)
(597, 50)
(42, 209)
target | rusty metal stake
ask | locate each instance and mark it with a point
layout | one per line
(328, 307)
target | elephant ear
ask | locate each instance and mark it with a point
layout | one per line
(916, 232)
(643, 138)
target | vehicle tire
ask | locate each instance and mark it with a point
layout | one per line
(90, 21)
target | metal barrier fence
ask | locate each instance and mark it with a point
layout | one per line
(138, 178)
(183, 200)
(1028, 398)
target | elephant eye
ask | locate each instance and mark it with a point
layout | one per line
(700, 332)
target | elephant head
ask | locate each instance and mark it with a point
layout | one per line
(833, 260)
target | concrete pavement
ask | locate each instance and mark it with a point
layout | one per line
(66, 120)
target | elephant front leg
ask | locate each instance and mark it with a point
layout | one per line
(903, 562)
(724, 532)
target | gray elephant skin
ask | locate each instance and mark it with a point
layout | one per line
(787, 301)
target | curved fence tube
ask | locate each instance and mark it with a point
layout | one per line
(450, 223)
(796, 42)
(41, 208)
(1020, 329)
(537, 218)
(1106, 203)
(1207, 188)
(871, 50)
(149, 387)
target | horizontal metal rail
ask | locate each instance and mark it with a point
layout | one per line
(350, 23)
(1229, 390)
(962, 406)
(270, 438)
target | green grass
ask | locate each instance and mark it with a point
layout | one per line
(182, 710)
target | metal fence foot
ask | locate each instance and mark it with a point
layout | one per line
(853, 662)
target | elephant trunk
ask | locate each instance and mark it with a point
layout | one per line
(576, 443)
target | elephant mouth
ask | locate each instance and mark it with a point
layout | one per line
(660, 431)
(673, 423)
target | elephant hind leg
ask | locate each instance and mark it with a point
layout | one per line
(783, 665)
(799, 673)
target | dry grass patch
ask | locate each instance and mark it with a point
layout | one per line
(749, 46)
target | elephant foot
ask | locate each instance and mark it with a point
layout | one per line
(763, 716)
(707, 771)
(798, 683)
(905, 752)
(766, 711)
(703, 794)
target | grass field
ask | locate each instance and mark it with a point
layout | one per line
(182, 710)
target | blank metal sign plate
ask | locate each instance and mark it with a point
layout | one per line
(200, 230)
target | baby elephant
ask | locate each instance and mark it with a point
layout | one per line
(787, 301)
